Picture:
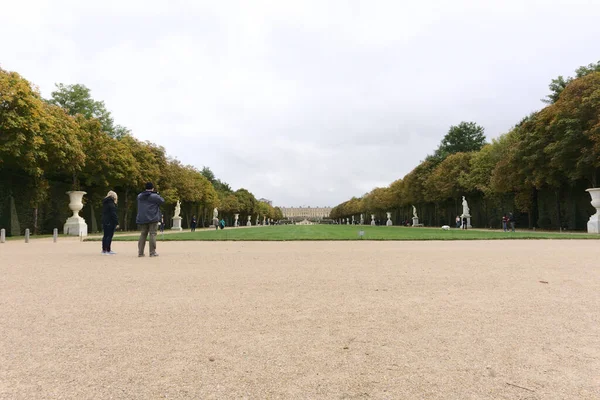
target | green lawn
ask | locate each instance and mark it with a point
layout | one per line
(344, 232)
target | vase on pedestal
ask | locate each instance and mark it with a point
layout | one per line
(389, 219)
(75, 225)
(593, 225)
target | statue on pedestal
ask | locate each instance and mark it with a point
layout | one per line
(465, 207)
(177, 209)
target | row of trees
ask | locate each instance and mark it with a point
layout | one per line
(539, 169)
(70, 142)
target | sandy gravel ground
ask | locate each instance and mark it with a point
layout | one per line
(300, 320)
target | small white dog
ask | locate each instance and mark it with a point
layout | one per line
(446, 227)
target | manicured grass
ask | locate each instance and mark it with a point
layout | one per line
(337, 232)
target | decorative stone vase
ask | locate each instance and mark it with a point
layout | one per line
(249, 223)
(389, 219)
(75, 225)
(372, 219)
(593, 225)
(236, 223)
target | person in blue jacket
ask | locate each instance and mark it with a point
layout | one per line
(147, 218)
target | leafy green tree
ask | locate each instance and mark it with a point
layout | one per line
(559, 84)
(447, 180)
(462, 138)
(247, 201)
(77, 99)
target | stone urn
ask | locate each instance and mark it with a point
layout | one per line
(372, 219)
(236, 216)
(389, 219)
(593, 225)
(75, 225)
(249, 223)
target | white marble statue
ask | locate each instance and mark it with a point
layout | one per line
(415, 212)
(177, 209)
(362, 219)
(465, 207)
(215, 213)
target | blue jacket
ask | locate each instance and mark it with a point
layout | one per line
(148, 207)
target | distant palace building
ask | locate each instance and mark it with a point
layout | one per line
(306, 212)
(269, 202)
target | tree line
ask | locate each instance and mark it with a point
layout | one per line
(539, 170)
(70, 142)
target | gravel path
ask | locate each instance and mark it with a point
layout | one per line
(301, 320)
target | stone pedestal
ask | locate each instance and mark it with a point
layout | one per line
(75, 225)
(415, 221)
(468, 217)
(176, 224)
(593, 225)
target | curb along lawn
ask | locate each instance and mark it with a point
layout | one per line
(337, 232)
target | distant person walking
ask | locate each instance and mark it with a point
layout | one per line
(194, 223)
(457, 221)
(511, 219)
(222, 224)
(162, 224)
(147, 218)
(505, 223)
(110, 221)
(464, 221)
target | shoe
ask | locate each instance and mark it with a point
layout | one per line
(111, 253)
(154, 255)
(104, 253)
(141, 255)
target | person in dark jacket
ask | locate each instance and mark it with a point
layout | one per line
(194, 223)
(147, 218)
(110, 221)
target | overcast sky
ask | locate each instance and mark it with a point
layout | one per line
(303, 102)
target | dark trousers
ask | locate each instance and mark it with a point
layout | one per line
(193, 225)
(109, 231)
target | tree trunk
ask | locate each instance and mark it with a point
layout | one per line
(35, 220)
(533, 213)
(558, 217)
(126, 216)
